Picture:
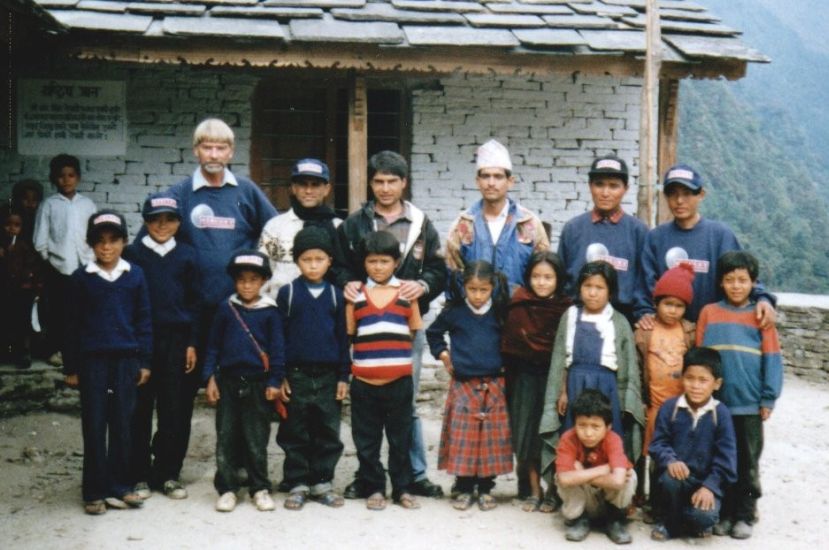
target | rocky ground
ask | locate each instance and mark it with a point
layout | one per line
(40, 507)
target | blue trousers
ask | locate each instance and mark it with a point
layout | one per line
(108, 390)
(679, 515)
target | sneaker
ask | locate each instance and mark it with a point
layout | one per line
(226, 502)
(577, 529)
(741, 530)
(723, 528)
(263, 501)
(95, 507)
(142, 489)
(425, 488)
(617, 532)
(56, 359)
(173, 489)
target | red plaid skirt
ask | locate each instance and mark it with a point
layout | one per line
(475, 439)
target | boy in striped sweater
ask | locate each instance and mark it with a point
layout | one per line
(752, 380)
(381, 324)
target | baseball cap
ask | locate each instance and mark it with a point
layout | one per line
(158, 203)
(684, 175)
(310, 167)
(609, 166)
(105, 219)
(250, 260)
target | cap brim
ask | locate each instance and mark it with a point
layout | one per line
(682, 182)
(309, 175)
(162, 211)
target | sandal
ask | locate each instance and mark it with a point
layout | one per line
(462, 501)
(376, 501)
(330, 498)
(549, 505)
(486, 502)
(531, 504)
(296, 500)
(407, 501)
(95, 507)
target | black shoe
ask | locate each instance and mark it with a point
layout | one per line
(578, 529)
(355, 490)
(284, 487)
(425, 488)
(617, 531)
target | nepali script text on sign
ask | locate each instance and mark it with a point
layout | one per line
(78, 117)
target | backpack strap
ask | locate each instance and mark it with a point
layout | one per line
(290, 297)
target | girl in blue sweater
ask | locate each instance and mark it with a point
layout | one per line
(475, 438)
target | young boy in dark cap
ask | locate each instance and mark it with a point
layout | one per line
(170, 268)
(318, 366)
(108, 354)
(244, 368)
(605, 233)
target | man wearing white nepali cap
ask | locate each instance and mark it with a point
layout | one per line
(605, 233)
(496, 228)
(691, 239)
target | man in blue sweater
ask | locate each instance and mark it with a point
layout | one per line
(695, 450)
(605, 233)
(690, 238)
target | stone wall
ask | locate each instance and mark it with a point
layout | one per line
(804, 334)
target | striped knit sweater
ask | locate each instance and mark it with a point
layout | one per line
(751, 359)
(382, 342)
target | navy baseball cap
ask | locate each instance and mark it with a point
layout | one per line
(158, 203)
(683, 175)
(310, 167)
(249, 260)
(102, 220)
(609, 166)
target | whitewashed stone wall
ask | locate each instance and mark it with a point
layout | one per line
(554, 127)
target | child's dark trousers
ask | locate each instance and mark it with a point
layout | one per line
(108, 390)
(740, 500)
(676, 511)
(374, 409)
(310, 436)
(242, 418)
(159, 458)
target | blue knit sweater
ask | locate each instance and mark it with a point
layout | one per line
(619, 243)
(217, 221)
(709, 449)
(315, 331)
(702, 245)
(173, 283)
(476, 341)
(106, 317)
(230, 350)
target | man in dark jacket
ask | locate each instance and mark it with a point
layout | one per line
(421, 273)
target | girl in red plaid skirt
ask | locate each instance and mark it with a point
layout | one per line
(475, 439)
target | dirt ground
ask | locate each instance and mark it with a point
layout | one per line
(40, 505)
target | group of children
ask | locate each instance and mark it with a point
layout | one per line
(569, 390)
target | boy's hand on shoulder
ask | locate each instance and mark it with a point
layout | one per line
(71, 380)
(645, 322)
(766, 314)
(578, 465)
(190, 359)
(678, 470)
(143, 376)
(285, 391)
(411, 290)
(561, 404)
(703, 499)
(351, 290)
(272, 393)
(765, 413)
(212, 391)
(342, 390)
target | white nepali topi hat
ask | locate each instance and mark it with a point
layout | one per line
(493, 154)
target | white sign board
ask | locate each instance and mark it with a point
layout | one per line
(79, 117)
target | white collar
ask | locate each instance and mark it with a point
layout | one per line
(263, 302)
(159, 248)
(394, 281)
(200, 181)
(480, 310)
(120, 268)
(711, 406)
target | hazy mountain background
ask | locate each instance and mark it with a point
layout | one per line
(762, 143)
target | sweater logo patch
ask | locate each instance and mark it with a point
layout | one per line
(678, 255)
(598, 252)
(202, 216)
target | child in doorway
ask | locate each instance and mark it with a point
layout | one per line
(595, 479)
(108, 352)
(752, 381)
(26, 198)
(694, 449)
(171, 271)
(381, 324)
(244, 369)
(59, 237)
(533, 316)
(318, 366)
(475, 437)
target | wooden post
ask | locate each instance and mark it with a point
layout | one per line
(357, 141)
(647, 125)
(668, 137)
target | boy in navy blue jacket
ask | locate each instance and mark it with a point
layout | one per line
(170, 268)
(694, 449)
(107, 355)
(318, 365)
(244, 369)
